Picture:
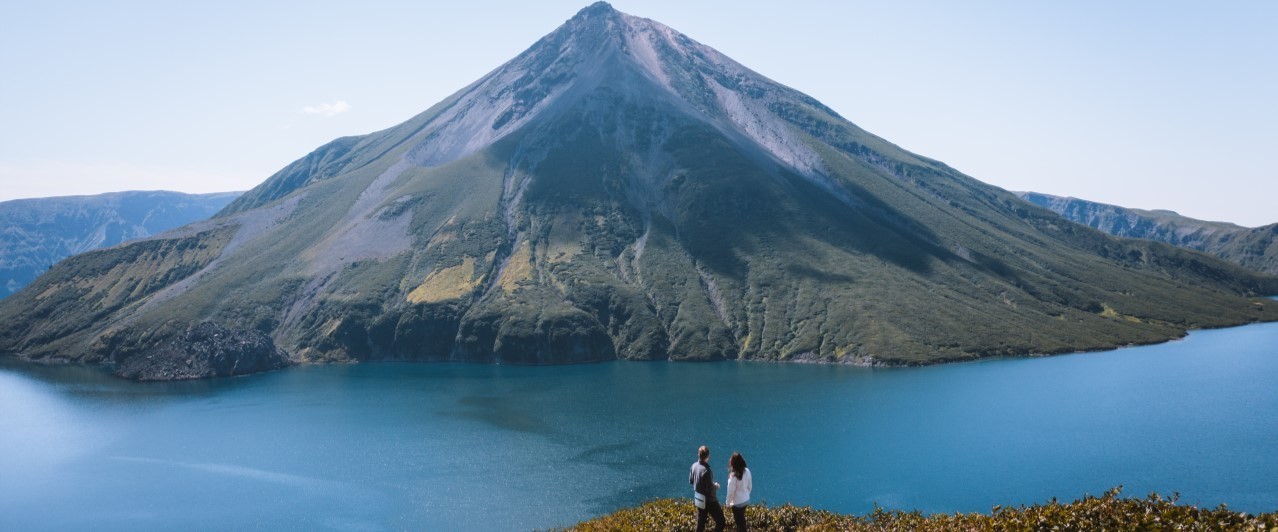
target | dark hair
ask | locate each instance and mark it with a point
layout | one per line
(703, 452)
(737, 463)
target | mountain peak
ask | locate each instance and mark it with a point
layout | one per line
(595, 10)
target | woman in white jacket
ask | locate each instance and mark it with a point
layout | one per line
(739, 487)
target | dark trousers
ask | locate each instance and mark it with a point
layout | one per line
(738, 517)
(715, 511)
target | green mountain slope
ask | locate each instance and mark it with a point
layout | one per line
(1253, 248)
(622, 191)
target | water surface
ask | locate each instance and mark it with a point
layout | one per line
(442, 446)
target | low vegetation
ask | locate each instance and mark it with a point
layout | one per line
(1109, 511)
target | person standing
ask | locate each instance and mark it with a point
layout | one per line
(739, 487)
(705, 491)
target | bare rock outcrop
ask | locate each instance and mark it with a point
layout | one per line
(205, 350)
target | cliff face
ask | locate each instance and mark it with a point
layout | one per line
(205, 350)
(620, 190)
(37, 233)
(1253, 248)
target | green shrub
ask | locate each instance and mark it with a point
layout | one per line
(1107, 512)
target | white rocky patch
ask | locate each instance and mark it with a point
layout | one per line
(642, 242)
(639, 37)
(768, 131)
(250, 225)
(362, 234)
(467, 125)
(714, 295)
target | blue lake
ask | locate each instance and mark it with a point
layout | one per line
(442, 446)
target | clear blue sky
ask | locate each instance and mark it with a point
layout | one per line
(1156, 104)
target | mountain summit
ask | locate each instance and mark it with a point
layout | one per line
(620, 190)
(601, 63)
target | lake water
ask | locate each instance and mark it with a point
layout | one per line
(444, 447)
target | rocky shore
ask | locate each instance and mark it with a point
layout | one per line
(205, 350)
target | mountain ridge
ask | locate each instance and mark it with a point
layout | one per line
(1255, 248)
(619, 190)
(38, 232)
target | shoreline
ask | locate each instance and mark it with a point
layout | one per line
(874, 363)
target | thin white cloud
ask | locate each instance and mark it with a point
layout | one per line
(327, 109)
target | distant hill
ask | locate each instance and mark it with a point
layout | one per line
(37, 233)
(1254, 248)
(620, 190)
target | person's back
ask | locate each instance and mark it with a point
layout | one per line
(705, 491)
(702, 480)
(739, 487)
(739, 490)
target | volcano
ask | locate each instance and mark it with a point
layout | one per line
(618, 191)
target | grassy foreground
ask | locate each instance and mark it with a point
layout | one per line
(1107, 512)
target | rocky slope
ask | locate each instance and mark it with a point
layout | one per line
(620, 190)
(1254, 248)
(37, 233)
(205, 350)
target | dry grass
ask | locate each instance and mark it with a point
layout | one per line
(448, 283)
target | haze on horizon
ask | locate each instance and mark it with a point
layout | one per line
(1148, 105)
